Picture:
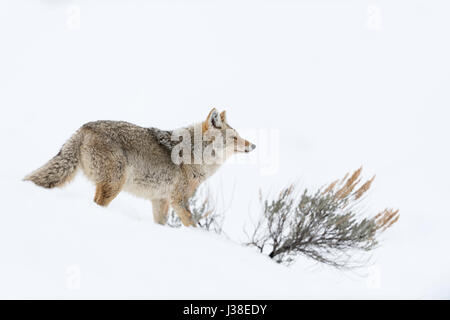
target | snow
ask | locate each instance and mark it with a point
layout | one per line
(51, 238)
(336, 91)
(59, 244)
(56, 244)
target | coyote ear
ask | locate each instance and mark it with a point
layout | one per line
(223, 116)
(213, 120)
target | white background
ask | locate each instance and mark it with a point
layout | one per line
(341, 83)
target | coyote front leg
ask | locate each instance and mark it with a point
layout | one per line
(181, 208)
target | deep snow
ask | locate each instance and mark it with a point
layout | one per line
(60, 244)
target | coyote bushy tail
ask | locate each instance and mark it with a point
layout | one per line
(61, 168)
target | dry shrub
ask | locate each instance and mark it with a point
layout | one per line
(204, 212)
(325, 225)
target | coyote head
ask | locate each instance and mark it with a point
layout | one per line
(225, 139)
(209, 142)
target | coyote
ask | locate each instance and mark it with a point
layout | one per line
(117, 155)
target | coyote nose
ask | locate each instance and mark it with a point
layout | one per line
(251, 147)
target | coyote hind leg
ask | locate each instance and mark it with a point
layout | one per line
(105, 192)
(104, 163)
(160, 210)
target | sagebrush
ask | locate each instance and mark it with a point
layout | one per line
(325, 225)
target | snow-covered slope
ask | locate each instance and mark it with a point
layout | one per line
(49, 239)
(59, 244)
